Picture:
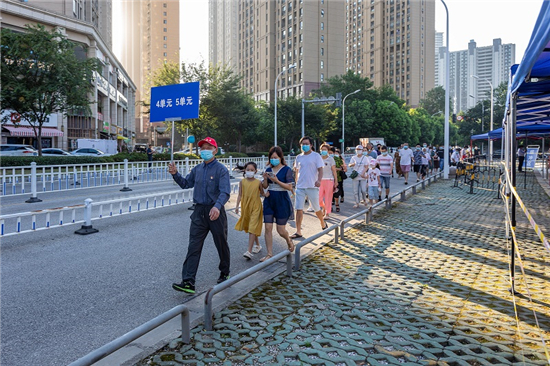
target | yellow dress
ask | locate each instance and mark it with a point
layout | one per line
(251, 219)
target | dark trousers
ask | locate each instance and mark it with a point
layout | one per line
(200, 226)
(520, 162)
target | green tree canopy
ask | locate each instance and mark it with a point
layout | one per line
(434, 101)
(41, 75)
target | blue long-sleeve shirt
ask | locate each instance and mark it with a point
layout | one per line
(210, 182)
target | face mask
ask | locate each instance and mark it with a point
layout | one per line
(331, 155)
(324, 153)
(365, 153)
(425, 145)
(274, 162)
(206, 155)
(406, 147)
(249, 174)
(305, 148)
(385, 153)
(359, 152)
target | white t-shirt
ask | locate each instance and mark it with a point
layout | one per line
(361, 162)
(328, 163)
(406, 156)
(372, 177)
(307, 166)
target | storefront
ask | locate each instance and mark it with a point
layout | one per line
(25, 135)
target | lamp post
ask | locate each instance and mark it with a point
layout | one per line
(343, 114)
(447, 86)
(491, 122)
(276, 81)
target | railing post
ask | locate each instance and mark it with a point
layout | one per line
(125, 188)
(414, 189)
(342, 226)
(289, 265)
(403, 194)
(423, 184)
(388, 203)
(185, 327)
(336, 235)
(297, 259)
(231, 168)
(33, 198)
(87, 227)
(187, 166)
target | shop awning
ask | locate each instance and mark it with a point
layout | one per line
(29, 132)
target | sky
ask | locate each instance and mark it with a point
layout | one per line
(480, 20)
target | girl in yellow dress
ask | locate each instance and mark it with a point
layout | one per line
(251, 220)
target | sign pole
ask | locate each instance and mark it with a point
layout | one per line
(173, 120)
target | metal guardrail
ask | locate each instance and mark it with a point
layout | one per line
(143, 329)
(19, 180)
(56, 217)
(241, 276)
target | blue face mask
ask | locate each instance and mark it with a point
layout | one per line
(385, 153)
(206, 155)
(274, 162)
(324, 153)
(305, 148)
(365, 153)
(405, 147)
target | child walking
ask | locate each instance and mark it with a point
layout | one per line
(251, 219)
(373, 181)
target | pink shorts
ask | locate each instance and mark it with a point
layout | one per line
(405, 168)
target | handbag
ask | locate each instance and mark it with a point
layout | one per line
(343, 175)
(354, 174)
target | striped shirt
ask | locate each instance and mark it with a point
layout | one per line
(385, 165)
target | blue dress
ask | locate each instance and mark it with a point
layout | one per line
(278, 206)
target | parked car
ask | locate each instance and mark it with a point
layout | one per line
(54, 152)
(17, 150)
(87, 151)
(141, 148)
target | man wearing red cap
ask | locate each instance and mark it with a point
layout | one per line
(212, 188)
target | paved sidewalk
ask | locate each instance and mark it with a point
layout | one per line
(425, 283)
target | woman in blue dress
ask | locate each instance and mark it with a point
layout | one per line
(279, 180)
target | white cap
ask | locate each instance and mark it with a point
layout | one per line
(359, 147)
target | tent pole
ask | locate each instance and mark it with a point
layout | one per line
(525, 170)
(513, 197)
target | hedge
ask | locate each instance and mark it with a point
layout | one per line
(8, 161)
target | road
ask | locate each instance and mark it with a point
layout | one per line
(64, 295)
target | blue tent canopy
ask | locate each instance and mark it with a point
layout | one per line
(522, 130)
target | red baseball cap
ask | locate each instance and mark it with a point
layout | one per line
(208, 140)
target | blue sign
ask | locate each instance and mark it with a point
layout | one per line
(191, 139)
(175, 102)
(531, 157)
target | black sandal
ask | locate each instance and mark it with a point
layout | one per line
(337, 208)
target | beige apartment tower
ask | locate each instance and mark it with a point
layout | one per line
(393, 42)
(261, 39)
(151, 37)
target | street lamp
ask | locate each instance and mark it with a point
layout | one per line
(276, 80)
(343, 114)
(447, 86)
(491, 123)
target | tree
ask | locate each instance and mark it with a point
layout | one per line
(435, 101)
(41, 75)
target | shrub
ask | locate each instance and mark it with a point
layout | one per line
(234, 154)
(257, 154)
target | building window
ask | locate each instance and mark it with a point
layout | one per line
(164, 54)
(322, 38)
(322, 26)
(164, 5)
(165, 38)
(165, 30)
(322, 52)
(322, 77)
(165, 45)
(165, 21)
(322, 64)
(164, 13)
(322, 13)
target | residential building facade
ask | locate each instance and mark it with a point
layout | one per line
(393, 43)
(151, 34)
(88, 24)
(488, 63)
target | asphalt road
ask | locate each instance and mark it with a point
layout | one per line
(64, 295)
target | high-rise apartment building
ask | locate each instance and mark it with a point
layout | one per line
(392, 42)
(490, 62)
(88, 25)
(151, 37)
(270, 36)
(437, 67)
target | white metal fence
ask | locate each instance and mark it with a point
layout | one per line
(20, 180)
(25, 222)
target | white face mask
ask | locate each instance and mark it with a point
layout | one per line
(249, 174)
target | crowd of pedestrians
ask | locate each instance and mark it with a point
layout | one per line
(315, 177)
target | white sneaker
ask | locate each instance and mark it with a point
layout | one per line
(256, 248)
(310, 209)
(248, 255)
